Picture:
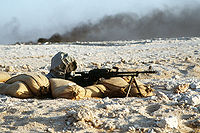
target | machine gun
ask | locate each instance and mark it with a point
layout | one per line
(93, 76)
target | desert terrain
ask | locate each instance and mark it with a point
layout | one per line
(177, 61)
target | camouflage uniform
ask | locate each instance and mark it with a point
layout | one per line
(61, 64)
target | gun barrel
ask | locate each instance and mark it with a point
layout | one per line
(136, 72)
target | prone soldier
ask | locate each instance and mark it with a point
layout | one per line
(64, 82)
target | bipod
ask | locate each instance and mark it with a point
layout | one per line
(133, 80)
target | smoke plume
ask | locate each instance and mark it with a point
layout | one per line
(129, 26)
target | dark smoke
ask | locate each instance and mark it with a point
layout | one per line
(129, 26)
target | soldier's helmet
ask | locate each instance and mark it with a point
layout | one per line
(61, 64)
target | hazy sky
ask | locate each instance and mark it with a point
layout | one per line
(26, 20)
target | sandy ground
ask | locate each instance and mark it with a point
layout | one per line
(177, 61)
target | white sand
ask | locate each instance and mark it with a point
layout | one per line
(177, 60)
